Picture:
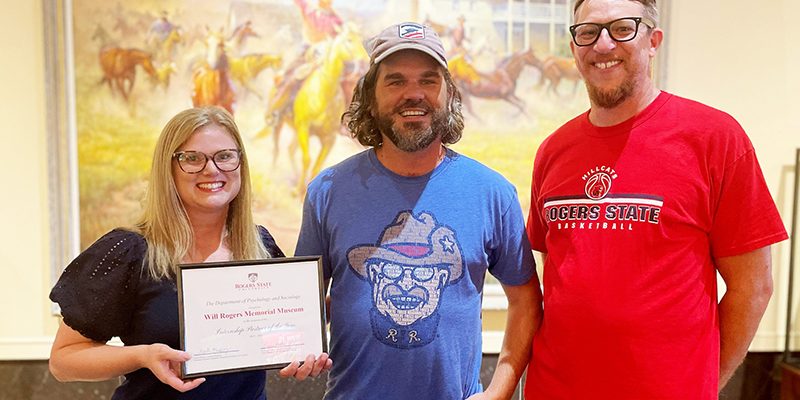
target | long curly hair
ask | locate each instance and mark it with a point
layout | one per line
(364, 127)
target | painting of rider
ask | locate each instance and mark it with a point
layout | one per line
(287, 69)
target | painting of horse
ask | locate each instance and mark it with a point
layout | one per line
(119, 68)
(499, 84)
(211, 81)
(320, 100)
(166, 49)
(158, 58)
(555, 69)
(244, 70)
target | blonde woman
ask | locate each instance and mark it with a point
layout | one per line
(197, 209)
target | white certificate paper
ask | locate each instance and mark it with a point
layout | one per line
(249, 315)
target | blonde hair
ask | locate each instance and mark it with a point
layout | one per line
(165, 224)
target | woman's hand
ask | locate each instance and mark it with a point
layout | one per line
(310, 367)
(77, 358)
(164, 362)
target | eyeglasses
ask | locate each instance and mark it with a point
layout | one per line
(621, 30)
(193, 162)
(394, 271)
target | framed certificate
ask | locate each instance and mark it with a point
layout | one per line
(250, 315)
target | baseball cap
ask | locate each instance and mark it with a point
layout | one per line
(405, 36)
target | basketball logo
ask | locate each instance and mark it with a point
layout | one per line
(598, 185)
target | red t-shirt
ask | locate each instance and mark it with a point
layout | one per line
(631, 217)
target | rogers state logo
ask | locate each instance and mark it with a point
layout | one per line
(598, 182)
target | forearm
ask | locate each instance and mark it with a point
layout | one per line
(522, 322)
(94, 361)
(748, 278)
(739, 316)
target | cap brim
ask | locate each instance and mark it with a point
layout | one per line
(410, 46)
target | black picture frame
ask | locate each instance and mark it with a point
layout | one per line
(272, 278)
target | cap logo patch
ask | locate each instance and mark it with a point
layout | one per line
(412, 31)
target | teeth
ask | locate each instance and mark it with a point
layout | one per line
(412, 113)
(607, 64)
(405, 302)
(214, 185)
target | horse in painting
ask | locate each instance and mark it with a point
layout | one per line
(499, 84)
(119, 68)
(557, 69)
(211, 82)
(319, 102)
(244, 70)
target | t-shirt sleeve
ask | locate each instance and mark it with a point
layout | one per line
(96, 292)
(269, 243)
(310, 240)
(536, 227)
(746, 217)
(512, 262)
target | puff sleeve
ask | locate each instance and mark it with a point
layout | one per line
(97, 290)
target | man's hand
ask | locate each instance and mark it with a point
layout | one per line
(310, 367)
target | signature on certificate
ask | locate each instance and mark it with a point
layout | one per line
(215, 350)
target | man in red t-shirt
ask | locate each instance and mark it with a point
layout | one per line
(635, 206)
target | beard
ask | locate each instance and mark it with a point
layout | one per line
(412, 136)
(616, 96)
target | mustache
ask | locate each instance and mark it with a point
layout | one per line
(413, 103)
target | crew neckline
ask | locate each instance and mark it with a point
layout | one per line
(449, 156)
(627, 125)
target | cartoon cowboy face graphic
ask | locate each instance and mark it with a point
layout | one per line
(414, 260)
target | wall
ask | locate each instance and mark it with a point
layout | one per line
(738, 56)
(27, 326)
(732, 54)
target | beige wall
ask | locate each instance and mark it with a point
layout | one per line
(742, 57)
(26, 327)
(731, 54)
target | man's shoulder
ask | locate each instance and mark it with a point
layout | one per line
(466, 164)
(349, 164)
(342, 171)
(477, 173)
(693, 108)
(573, 125)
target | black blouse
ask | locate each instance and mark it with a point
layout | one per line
(106, 291)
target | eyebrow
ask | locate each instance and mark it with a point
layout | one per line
(399, 75)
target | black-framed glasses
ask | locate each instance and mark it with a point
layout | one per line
(621, 30)
(193, 162)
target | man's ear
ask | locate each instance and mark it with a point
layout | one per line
(656, 38)
(372, 273)
(444, 278)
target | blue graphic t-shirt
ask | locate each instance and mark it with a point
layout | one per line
(408, 257)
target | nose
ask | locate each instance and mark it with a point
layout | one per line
(604, 43)
(211, 167)
(413, 91)
(406, 281)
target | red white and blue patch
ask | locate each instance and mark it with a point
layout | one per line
(412, 31)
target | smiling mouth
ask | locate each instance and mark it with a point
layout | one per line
(414, 113)
(211, 186)
(607, 64)
(405, 302)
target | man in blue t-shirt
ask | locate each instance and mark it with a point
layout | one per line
(407, 231)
